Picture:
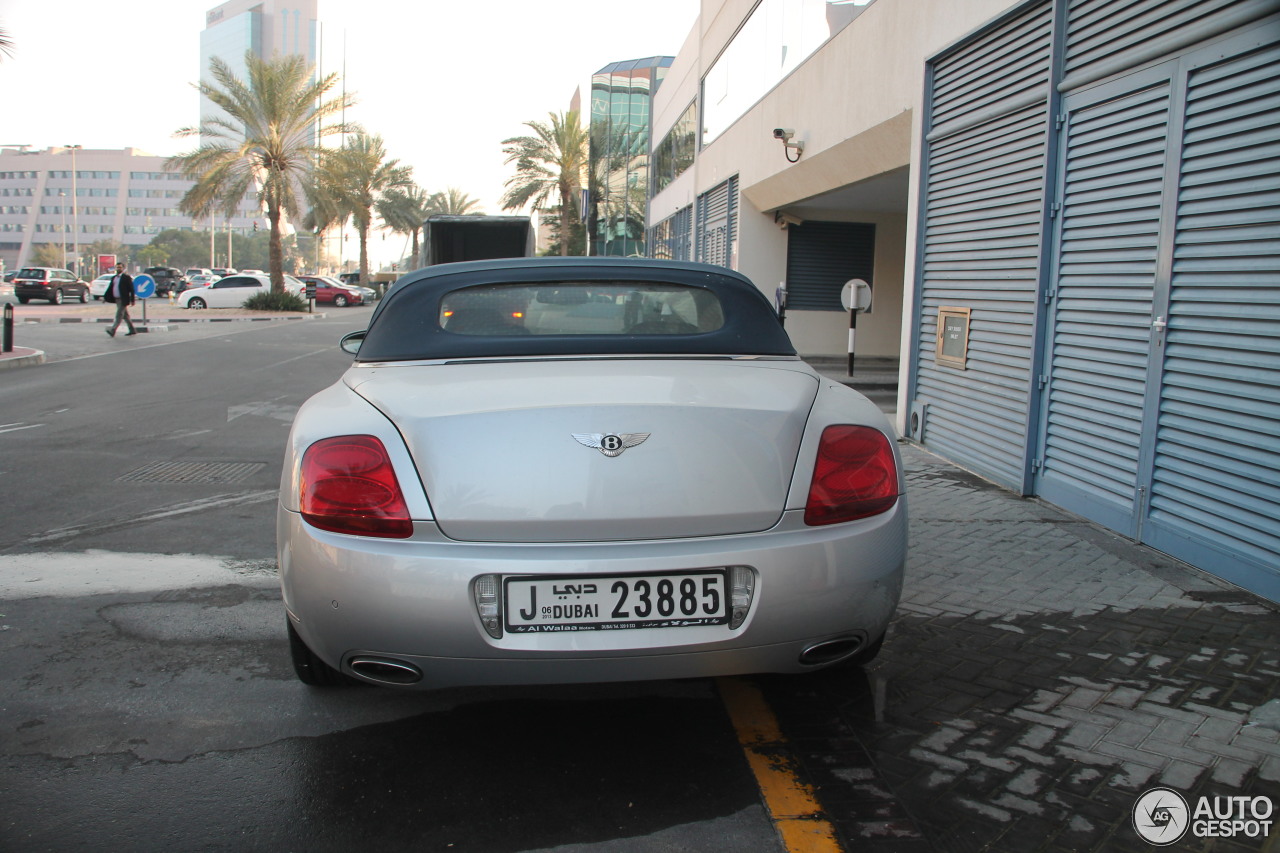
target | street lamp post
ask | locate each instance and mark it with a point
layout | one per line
(62, 206)
(75, 213)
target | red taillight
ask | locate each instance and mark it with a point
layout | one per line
(855, 476)
(349, 486)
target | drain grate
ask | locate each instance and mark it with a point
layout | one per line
(192, 472)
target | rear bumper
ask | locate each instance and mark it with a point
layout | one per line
(412, 602)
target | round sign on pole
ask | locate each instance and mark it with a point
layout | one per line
(856, 295)
(144, 286)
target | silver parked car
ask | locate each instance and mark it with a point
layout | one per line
(579, 470)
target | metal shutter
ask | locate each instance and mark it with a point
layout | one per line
(682, 234)
(717, 216)
(821, 257)
(1107, 246)
(981, 222)
(1105, 37)
(670, 238)
(1216, 481)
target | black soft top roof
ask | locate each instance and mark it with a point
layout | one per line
(405, 325)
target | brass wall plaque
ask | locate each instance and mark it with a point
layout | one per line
(953, 337)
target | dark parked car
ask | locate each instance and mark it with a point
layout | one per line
(47, 283)
(168, 280)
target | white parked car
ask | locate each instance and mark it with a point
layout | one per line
(98, 287)
(550, 470)
(229, 292)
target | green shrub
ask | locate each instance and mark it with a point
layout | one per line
(275, 302)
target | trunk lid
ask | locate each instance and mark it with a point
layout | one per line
(506, 450)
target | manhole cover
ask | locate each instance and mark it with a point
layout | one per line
(193, 472)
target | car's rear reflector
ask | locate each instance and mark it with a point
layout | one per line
(854, 477)
(349, 486)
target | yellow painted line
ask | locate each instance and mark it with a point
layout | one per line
(791, 803)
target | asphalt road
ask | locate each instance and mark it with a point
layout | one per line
(147, 701)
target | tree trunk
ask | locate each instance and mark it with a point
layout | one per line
(364, 253)
(275, 250)
(566, 227)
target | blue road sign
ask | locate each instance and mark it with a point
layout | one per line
(144, 286)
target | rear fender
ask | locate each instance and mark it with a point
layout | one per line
(837, 404)
(337, 410)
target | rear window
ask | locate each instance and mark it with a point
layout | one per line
(581, 308)
(572, 306)
(32, 272)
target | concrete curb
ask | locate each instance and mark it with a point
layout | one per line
(140, 324)
(21, 357)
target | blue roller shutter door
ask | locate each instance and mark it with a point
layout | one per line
(1108, 239)
(980, 244)
(1162, 413)
(1215, 484)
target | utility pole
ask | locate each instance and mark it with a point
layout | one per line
(75, 212)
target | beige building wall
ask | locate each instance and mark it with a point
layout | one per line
(855, 105)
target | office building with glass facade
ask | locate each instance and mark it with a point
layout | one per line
(264, 28)
(621, 104)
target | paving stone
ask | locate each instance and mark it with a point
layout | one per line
(1040, 674)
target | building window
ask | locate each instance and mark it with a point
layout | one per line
(776, 38)
(674, 154)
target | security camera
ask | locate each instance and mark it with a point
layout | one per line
(783, 133)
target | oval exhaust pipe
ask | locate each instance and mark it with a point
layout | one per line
(385, 670)
(830, 651)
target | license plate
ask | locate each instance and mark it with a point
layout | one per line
(610, 603)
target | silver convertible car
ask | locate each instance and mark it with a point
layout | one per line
(580, 470)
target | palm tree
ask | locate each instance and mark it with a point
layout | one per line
(453, 202)
(324, 212)
(359, 174)
(551, 166)
(266, 142)
(6, 43)
(403, 211)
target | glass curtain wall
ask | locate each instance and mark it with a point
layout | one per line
(621, 101)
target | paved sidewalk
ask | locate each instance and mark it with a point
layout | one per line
(1041, 675)
(31, 320)
(158, 311)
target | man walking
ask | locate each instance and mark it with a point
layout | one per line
(120, 291)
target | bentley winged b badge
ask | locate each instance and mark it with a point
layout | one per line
(610, 445)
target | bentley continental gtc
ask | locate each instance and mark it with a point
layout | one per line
(555, 470)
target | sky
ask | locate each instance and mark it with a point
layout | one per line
(443, 82)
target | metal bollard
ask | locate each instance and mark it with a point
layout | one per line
(8, 328)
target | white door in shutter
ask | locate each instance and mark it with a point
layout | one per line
(1111, 201)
